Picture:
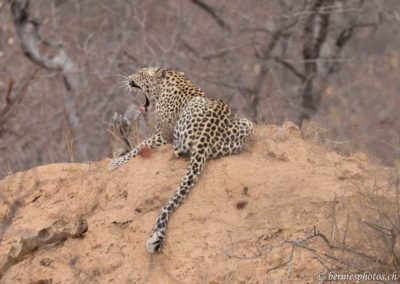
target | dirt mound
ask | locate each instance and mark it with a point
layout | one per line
(233, 228)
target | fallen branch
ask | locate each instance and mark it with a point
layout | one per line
(57, 233)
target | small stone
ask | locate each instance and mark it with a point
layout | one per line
(47, 262)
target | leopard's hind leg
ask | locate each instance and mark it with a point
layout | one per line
(233, 139)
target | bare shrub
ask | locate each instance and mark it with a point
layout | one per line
(129, 129)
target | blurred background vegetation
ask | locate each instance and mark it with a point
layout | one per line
(332, 62)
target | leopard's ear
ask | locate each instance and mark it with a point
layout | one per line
(160, 72)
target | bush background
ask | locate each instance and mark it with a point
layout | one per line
(249, 53)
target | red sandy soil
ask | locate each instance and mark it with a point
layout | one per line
(232, 228)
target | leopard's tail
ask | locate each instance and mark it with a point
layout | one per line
(195, 168)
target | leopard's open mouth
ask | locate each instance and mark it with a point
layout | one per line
(142, 108)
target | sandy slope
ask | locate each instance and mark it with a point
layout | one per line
(231, 229)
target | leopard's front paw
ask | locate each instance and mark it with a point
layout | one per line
(115, 164)
(180, 153)
(176, 153)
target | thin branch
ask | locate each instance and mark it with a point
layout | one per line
(210, 10)
(217, 53)
(6, 112)
(290, 67)
(9, 91)
(350, 250)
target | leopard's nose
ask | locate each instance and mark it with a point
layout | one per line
(133, 84)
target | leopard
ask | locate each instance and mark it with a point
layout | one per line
(199, 128)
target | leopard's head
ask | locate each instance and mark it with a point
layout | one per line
(148, 80)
